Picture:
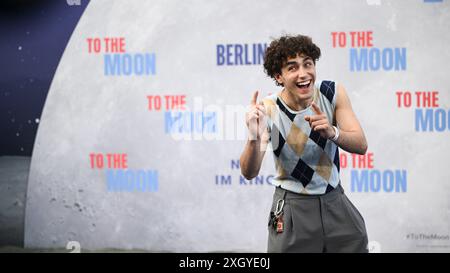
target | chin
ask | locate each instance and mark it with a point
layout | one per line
(305, 94)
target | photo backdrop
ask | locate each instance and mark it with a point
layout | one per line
(139, 142)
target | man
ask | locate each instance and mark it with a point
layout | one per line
(305, 124)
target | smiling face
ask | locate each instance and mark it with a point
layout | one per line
(298, 76)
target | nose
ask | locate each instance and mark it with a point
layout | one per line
(302, 73)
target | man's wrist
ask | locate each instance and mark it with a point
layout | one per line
(336, 134)
(254, 140)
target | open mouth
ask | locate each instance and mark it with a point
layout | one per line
(304, 84)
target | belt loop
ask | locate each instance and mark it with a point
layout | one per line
(283, 194)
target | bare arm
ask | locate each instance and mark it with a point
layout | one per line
(252, 156)
(351, 136)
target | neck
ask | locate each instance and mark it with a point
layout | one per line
(295, 103)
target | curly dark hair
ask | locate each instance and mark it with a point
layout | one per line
(285, 47)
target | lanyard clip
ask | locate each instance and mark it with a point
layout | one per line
(279, 208)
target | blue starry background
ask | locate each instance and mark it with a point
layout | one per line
(33, 36)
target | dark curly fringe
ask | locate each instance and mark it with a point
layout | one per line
(285, 47)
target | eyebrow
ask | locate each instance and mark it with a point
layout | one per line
(304, 60)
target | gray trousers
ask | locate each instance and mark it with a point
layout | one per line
(324, 223)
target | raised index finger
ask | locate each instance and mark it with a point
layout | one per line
(316, 108)
(254, 98)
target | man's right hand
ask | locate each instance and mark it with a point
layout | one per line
(256, 119)
(258, 138)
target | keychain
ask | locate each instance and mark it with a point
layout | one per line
(278, 223)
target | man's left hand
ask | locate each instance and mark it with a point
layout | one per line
(319, 123)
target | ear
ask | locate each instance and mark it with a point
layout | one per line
(279, 79)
